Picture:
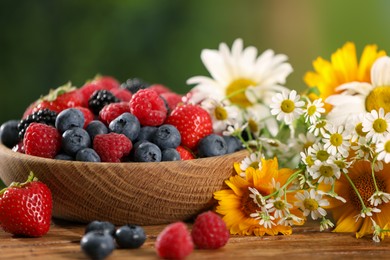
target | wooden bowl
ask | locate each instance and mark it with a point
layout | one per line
(137, 193)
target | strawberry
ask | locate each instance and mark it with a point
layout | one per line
(172, 99)
(25, 208)
(193, 123)
(112, 147)
(112, 111)
(57, 100)
(185, 154)
(42, 140)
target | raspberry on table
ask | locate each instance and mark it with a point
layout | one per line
(148, 107)
(209, 231)
(42, 140)
(112, 111)
(112, 147)
(174, 242)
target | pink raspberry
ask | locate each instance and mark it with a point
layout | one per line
(148, 107)
(209, 231)
(159, 88)
(112, 147)
(174, 242)
(112, 111)
(172, 99)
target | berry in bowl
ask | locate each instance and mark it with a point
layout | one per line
(119, 152)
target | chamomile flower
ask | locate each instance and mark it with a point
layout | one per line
(313, 110)
(290, 220)
(377, 125)
(378, 198)
(257, 198)
(332, 194)
(366, 212)
(307, 158)
(278, 206)
(319, 128)
(264, 218)
(221, 113)
(325, 224)
(383, 149)
(342, 163)
(234, 129)
(337, 140)
(319, 152)
(311, 204)
(286, 106)
(306, 140)
(253, 160)
(355, 126)
(325, 172)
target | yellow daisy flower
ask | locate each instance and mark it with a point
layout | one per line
(236, 205)
(345, 213)
(342, 68)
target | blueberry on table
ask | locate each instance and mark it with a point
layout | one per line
(97, 245)
(170, 154)
(95, 128)
(167, 136)
(212, 145)
(75, 139)
(126, 124)
(146, 133)
(68, 119)
(87, 155)
(130, 236)
(147, 152)
(102, 226)
(9, 134)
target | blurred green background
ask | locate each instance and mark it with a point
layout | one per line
(44, 44)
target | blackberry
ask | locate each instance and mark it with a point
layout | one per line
(99, 99)
(44, 116)
(134, 84)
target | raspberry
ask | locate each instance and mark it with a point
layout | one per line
(148, 107)
(112, 111)
(174, 242)
(172, 99)
(88, 115)
(112, 147)
(209, 231)
(193, 123)
(122, 94)
(42, 140)
(159, 88)
(185, 154)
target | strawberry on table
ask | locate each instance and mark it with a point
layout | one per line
(26, 208)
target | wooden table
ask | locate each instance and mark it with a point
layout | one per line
(63, 242)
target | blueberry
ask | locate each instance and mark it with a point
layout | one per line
(102, 226)
(170, 154)
(147, 152)
(87, 155)
(95, 128)
(126, 124)
(233, 144)
(74, 140)
(130, 236)
(68, 119)
(97, 245)
(146, 133)
(64, 157)
(9, 133)
(167, 136)
(212, 145)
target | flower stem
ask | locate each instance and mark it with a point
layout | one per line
(356, 191)
(373, 173)
(288, 182)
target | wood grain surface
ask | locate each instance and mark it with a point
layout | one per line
(62, 242)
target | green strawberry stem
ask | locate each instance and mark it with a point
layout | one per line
(30, 178)
(54, 93)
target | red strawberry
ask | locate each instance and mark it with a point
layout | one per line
(88, 115)
(174, 242)
(148, 107)
(185, 154)
(172, 99)
(209, 231)
(122, 94)
(25, 208)
(42, 140)
(193, 123)
(112, 147)
(112, 111)
(106, 82)
(98, 83)
(159, 88)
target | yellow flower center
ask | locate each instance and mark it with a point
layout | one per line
(322, 155)
(326, 171)
(308, 144)
(359, 130)
(279, 204)
(254, 165)
(311, 110)
(379, 97)
(365, 185)
(341, 164)
(287, 106)
(321, 124)
(336, 139)
(236, 91)
(310, 204)
(253, 126)
(309, 161)
(387, 147)
(380, 125)
(220, 113)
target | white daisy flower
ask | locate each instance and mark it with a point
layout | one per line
(366, 212)
(326, 224)
(355, 126)
(319, 152)
(362, 97)
(307, 159)
(290, 220)
(340, 162)
(311, 204)
(234, 129)
(240, 75)
(221, 114)
(376, 124)
(337, 140)
(325, 172)
(313, 110)
(378, 198)
(307, 139)
(363, 150)
(319, 128)
(257, 197)
(279, 207)
(253, 160)
(264, 218)
(383, 149)
(286, 106)
(333, 195)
